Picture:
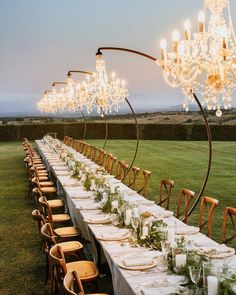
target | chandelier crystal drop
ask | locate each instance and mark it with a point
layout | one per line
(204, 61)
(102, 94)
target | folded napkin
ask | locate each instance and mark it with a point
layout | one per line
(82, 195)
(99, 219)
(60, 168)
(88, 206)
(63, 173)
(115, 235)
(160, 290)
(137, 261)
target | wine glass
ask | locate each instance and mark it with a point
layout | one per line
(135, 223)
(195, 275)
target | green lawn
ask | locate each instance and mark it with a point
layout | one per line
(22, 264)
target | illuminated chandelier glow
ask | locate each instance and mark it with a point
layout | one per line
(103, 94)
(204, 61)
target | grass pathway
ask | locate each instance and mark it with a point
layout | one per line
(21, 262)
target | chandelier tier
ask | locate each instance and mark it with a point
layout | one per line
(104, 94)
(204, 61)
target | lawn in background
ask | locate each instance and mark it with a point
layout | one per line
(22, 264)
(186, 163)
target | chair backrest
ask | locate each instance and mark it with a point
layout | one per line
(71, 283)
(143, 183)
(101, 157)
(46, 210)
(47, 235)
(109, 163)
(121, 170)
(133, 174)
(229, 215)
(185, 198)
(57, 259)
(165, 192)
(38, 218)
(210, 204)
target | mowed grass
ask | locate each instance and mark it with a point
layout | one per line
(22, 263)
(186, 163)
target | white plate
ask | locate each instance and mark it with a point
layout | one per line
(188, 230)
(120, 238)
(139, 267)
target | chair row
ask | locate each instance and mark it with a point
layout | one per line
(137, 178)
(59, 238)
(206, 209)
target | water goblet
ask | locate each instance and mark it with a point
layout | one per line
(135, 224)
(195, 275)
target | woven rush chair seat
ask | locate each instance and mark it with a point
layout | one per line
(70, 246)
(55, 203)
(48, 190)
(60, 218)
(67, 232)
(87, 270)
(72, 282)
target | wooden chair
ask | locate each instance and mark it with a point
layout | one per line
(66, 233)
(165, 192)
(210, 204)
(49, 239)
(109, 163)
(87, 270)
(185, 198)
(143, 183)
(52, 218)
(101, 157)
(73, 285)
(121, 170)
(133, 174)
(229, 214)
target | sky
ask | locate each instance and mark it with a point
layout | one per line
(42, 39)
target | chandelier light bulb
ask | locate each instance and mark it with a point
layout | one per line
(201, 16)
(187, 25)
(113, 75)
(175, 36)
(163, 44)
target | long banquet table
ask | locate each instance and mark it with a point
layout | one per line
(125, 282)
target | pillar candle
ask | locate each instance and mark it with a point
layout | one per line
(180, 260)
(212, 285)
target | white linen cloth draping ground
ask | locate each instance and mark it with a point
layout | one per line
(80, 205)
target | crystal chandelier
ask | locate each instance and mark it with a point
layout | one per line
(102, 94)
(204, 61)
(48, 103)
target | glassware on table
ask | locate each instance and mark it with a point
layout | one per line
(211, 274)
(179, 258)
(115, 219)
(195, 275)
(165, 246)
(135, 220)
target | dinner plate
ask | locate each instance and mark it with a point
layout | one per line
(97, 221)
(188, 230)
(139, 267)
(122, 237)
(213, 254)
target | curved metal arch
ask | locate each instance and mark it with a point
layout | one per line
(208, 130)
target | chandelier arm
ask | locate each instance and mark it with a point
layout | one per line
(79, 72)
(127, 50)
(58, 83)
(209, 137)
(137, 137)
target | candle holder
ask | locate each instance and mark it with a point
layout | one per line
(211, 278)
(179, 258)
